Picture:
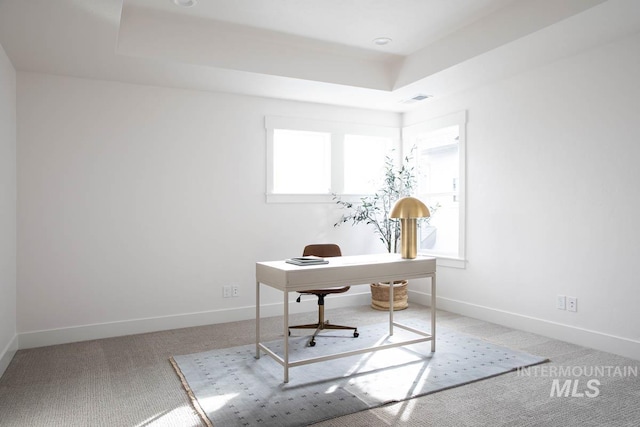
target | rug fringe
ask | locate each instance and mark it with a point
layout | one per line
(192, 397)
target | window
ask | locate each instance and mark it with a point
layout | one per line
(364, 162)
(439, 163)
(308, 160)
(301, 162)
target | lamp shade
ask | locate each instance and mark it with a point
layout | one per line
(409, 207)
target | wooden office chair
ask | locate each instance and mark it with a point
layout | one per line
(325, 251)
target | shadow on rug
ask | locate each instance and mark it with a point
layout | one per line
(230, 387)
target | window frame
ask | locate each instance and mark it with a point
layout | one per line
(338, 130)
(409, 133)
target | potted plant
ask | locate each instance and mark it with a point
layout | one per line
(374, 210)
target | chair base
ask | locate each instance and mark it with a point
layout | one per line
(321, 327)
(330, 250)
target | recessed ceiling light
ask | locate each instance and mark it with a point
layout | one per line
(381, 41)
(185, 3)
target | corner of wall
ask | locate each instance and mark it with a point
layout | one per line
(8, 205)
(7, 354)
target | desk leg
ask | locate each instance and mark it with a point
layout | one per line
(433, 313)
(286, 336)
(257, 320)
(391, 308)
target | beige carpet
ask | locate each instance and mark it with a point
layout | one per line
(128, 381)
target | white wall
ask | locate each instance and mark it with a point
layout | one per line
(553, 199)
(138, 203)
(8, 337)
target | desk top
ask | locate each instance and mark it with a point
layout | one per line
(343, 271)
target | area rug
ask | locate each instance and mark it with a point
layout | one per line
(230, 387)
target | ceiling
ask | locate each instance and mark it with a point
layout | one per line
(308, 50)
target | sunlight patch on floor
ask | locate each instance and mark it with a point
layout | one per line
(175, 417)
(214, 403)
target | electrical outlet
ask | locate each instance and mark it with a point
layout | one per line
(561, 302)
(226, 291)
(572, 304)
(235, 292)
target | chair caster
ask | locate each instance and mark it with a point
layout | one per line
(312, 343)
(356, 334)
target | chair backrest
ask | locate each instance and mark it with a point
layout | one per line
(325, 250)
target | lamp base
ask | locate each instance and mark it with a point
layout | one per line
(408, 238)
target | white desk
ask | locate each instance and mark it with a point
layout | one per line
(342, 271)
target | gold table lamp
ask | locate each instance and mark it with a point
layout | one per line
(408, 210)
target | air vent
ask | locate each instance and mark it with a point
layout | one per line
(419, 97)
(185, 3)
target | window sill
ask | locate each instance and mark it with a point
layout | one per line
(313, 198)
(300, 198)
(443, 261)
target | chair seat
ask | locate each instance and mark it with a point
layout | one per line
(322, 250)
(325, 291)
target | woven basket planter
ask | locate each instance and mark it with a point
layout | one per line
(380, 295)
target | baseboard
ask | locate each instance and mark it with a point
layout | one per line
(580, 336)
(139, 326)
(585, 337)
(8, 353)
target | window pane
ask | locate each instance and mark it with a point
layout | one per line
(438, 171)
(440, 234)
(438, 161)
(301, 162)
(364, 162)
